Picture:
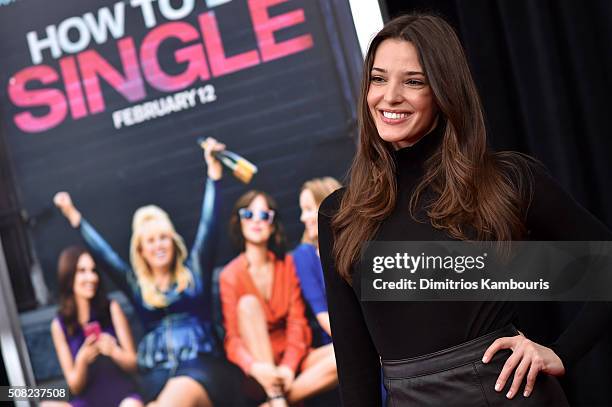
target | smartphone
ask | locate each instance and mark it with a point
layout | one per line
(93, 328)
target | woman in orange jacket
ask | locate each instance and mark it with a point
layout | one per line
(267, 333)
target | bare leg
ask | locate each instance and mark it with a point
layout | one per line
(183, 391)
(319, 374)
(254, 328)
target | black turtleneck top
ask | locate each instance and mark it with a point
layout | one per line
(365, 331)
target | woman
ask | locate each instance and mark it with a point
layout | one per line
(422, 172)
(306, 255)
(267, 334)
(178, 357)
(97, 366)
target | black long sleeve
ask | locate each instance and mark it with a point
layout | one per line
(363, 332)
(356, 357)
(554, 216)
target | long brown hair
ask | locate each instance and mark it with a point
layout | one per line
(66, 271)
(277, 242)
(476, 194)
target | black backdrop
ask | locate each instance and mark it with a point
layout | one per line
(542, 68)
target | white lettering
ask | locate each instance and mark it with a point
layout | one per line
(107, 21)
(36, 45)
(84, 36)
(171, 13)
(215, 3)
(148, 14)
(377, 268)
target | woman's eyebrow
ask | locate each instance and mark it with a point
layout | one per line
(405, 73)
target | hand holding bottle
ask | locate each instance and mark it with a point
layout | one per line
(210, 145)
(240, 166)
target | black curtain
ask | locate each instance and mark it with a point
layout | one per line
(544, 71)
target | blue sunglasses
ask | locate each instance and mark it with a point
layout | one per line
(267, 216)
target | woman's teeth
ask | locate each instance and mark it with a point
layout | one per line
(392, 115)
(160, 255)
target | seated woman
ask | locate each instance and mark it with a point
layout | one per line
(92, 337)
(267, 334)
(306, 255)
(179, 356)
(308, 267)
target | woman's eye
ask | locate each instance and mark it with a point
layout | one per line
(414, 82)
(377, 79)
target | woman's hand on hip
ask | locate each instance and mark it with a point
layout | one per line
(528, 358)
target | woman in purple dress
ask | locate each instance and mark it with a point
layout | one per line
(92, 337)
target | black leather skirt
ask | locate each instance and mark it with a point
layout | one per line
(457, 377)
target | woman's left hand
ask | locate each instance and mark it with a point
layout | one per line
(215, 170)
(287, 376)
(528, 358)
(106, 344)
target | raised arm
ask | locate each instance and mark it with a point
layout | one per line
(118, 269)
(203, 249)
(356, 357)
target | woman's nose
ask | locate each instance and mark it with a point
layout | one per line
(393, 93)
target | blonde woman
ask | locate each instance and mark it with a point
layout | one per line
(179, 356)
(306, 255)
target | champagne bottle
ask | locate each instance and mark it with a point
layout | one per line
(242, 168)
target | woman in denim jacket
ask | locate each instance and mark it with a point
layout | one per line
(179, 356)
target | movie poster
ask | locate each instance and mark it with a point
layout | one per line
(106, 100)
